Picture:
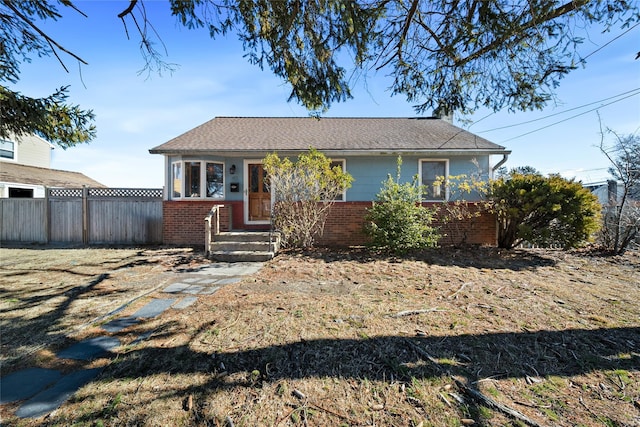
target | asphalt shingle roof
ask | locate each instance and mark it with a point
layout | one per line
(22, 174)
(242, 134)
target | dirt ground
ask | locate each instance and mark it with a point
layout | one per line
(346, 338)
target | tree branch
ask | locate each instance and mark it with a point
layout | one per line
(405, 30)
(562, 10)
(496, 405)
(128, 10)
(42, 34)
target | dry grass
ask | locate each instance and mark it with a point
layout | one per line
(346, 338)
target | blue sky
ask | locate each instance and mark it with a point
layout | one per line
(137, 112)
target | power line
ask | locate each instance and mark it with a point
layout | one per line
(572, 117)
(571, 109)
(562, 112)
(610, 41)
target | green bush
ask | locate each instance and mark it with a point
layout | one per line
(397, 221)
(544, 211)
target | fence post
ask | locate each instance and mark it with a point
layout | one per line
(47, 216)
(85, 215)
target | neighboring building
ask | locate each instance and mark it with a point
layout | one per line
(25, 169)
(220, 162)
(27, 150)
(608, 192)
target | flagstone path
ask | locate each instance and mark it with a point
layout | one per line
(44, 390)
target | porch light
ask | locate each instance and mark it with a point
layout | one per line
(232, 169)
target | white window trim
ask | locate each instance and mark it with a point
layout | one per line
(172, 181)
(203, 180)
(14, 151)
(344, 169)
(446, 174)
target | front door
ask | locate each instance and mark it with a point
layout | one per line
(259, 197)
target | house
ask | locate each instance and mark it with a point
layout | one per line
(220, 162)
(25, 169)
(608, 192)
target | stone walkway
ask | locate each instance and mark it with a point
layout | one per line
(44, 390)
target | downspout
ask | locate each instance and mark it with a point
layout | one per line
(505, 157)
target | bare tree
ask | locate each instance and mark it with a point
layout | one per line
(621, 218)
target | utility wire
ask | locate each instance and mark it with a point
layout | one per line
(561, 112)
(571, 109)
(610, 41)
(572, 117)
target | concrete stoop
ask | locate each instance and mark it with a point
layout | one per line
(244, 246)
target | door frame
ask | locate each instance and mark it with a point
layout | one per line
(245, 193)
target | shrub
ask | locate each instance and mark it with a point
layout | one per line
(458, 216)
(544, 211)
(397, 221)
(303, 191)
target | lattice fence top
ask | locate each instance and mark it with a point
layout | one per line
(65, 192)
(107, 192)
(125, 192)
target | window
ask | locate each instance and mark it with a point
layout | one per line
(215, 180)
(192, 179)
(176, 172)
(7, 149)
(196, 179)
(20, 193)
(432, 175)
(341, 164)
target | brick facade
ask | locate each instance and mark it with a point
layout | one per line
(183, 224)
(478, 229)
(345, 224)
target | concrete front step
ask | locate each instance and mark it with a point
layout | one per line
(238, 246)
(244, 236)
(241, 256)
(241, 246)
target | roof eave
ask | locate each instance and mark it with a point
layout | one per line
(334, 152)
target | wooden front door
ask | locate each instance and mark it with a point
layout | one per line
(259, 195)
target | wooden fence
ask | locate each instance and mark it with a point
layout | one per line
(84, 215)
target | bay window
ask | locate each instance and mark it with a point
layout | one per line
(215, 180)
(176, 181)
(192, 179)
(197, 179)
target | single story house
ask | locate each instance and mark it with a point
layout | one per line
(220, 163)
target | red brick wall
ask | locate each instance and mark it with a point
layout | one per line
(184, 224)
(480, 228)
(344, 226)
(346, 221)
(183, 221)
